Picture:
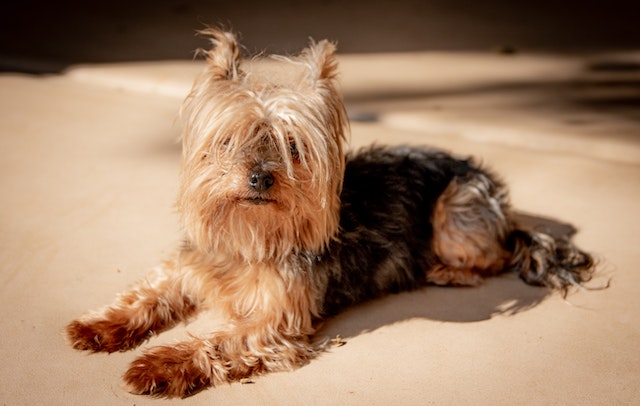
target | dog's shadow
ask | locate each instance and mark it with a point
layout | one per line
(502, 295)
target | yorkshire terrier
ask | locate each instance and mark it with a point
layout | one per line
(283, 229)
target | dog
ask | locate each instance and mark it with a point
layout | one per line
(283, 228)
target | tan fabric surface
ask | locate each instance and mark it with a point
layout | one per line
(88, 176)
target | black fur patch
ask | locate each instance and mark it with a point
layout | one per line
(384, 243)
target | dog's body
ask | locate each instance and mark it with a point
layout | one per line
(282, 229)
(391, 199)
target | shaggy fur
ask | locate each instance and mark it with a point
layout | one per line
(282, 229)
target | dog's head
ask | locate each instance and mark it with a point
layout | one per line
(262, 159)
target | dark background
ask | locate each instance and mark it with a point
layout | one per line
(46, 36)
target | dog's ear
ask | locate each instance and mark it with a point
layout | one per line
(224, 55)
(321, 61)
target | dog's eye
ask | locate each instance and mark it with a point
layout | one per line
(224, 145)
(293, 150)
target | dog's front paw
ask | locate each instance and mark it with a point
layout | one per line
(166, 372)
(102, 335)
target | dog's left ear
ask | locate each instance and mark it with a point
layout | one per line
(224, 55)
(322, 63)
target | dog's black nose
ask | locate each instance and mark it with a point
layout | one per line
(260, 180)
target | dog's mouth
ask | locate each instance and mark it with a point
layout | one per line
(256, 201)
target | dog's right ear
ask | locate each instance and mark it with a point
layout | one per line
(224, 55)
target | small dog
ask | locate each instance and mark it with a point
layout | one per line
(283, 229)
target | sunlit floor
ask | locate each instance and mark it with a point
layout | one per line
(89, 164)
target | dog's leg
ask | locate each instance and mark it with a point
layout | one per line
(448, 275)
(270, 314)
(149, 307)
(470, 224)
(187, 368)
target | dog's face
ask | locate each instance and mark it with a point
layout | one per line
(262, 162)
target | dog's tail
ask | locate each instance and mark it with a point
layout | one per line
(544, 260)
